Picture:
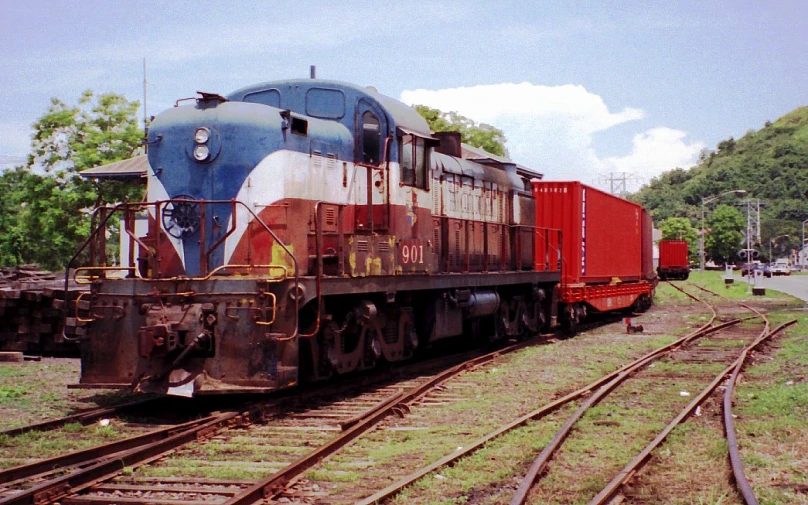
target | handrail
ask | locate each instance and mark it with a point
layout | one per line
(82, 247)
(89, 278)
(318, 246)
(549, 246)
(159, 205)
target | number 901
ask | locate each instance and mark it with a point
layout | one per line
(412, 253)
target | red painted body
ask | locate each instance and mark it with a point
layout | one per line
(607, 247)
(602, 234)
(673, 260)
(673, 253)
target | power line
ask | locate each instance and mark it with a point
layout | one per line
(618, 182)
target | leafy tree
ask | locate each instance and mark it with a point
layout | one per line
(679, 228)
(49, 205)
(770, 164)
(480, 135)
(723, 238)
(12, 235)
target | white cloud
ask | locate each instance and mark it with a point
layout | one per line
(550, 128)
(656, 151)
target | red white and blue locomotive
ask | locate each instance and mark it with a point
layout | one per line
(304, 228)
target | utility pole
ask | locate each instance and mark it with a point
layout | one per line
(617, 182)
(753, 206)
(145, 109)
(749, 253)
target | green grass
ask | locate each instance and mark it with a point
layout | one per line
(11, 392)
(714, 281)
(772, 409)
(36, 391)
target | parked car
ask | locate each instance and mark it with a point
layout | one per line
(750, 268)
(781, 267)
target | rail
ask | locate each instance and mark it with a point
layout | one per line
(473, 446)
(608, 493)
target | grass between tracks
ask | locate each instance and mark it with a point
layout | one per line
(490, 397)
(692, 464)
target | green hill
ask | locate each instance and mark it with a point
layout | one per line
(770, 164)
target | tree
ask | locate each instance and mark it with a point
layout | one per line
(12, 235)
(49, 205)
(480, 135)
(679, 228)
(724, 235)
(770, 164)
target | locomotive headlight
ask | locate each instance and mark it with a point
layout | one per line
(201, 135)
(201, 152)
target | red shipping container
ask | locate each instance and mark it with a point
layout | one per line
(602, 234)
(673, 254)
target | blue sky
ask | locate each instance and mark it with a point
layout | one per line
(580, 88)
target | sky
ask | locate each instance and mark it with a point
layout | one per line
(581, 89)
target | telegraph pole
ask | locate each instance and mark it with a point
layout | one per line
(145, 109)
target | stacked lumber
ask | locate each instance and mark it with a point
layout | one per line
(23, 273)
(32, 311)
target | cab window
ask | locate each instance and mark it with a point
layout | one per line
(414, 161)
(370, 138)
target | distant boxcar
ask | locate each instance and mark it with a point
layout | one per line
(673, 260)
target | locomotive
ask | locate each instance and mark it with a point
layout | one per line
(300, 229)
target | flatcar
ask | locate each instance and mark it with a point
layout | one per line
(300, 229)
(674, 260)
(607, 250)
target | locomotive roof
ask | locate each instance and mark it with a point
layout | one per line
(291, 91)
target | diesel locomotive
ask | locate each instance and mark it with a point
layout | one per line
(300, 229)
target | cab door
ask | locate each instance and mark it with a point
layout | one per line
(371, 128)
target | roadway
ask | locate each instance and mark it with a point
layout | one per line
(794, 285)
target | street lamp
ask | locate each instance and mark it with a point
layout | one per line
(771, 241)
(704, 201)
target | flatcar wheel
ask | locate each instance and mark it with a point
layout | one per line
(643, 303)
(569, 321)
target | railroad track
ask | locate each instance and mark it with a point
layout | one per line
(682, 350)
(296, 437)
